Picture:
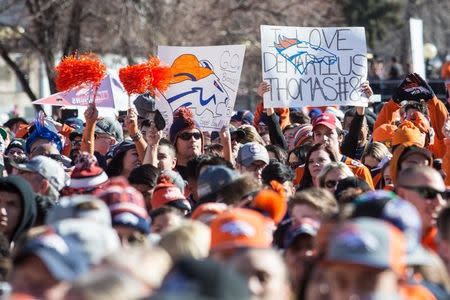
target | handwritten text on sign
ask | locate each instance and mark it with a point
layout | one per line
(308, 66)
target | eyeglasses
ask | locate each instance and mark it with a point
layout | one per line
(425, 191)
(331, 184)
(186, 136)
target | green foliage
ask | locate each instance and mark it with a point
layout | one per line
(377, 16)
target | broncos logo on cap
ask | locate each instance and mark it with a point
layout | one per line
(238, 228)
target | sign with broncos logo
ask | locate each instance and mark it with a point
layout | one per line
(206, 79)
(309, 66)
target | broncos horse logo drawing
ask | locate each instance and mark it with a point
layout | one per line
(302, 54)
(198, 87)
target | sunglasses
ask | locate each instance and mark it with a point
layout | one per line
(331, 184)
(186, 136)
(426, 192)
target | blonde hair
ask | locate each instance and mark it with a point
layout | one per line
(138, 260)
(190, 239)
(251, 135)
(377, 150)
(339, 166)
(107, 284)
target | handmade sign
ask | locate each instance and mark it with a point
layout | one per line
(416, 35)
(312, 66)
(206, 80)
(110, 94)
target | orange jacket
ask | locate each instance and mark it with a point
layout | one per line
(357, 168)
(283, 113)
(438, 114)
(446, 162)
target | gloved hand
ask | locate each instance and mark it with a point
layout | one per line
(413, 88)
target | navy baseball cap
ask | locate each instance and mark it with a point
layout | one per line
(62, 255)
(307, 226)
(214, 178)
(387, 206)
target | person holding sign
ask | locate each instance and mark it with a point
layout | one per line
(415, 88)
(327, 129)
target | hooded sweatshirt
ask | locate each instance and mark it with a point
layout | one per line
(27, 197)
(438, 113)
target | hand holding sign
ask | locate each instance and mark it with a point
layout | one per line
(263, 88)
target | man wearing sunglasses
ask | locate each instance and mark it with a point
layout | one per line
(423, 187)
(187, 138)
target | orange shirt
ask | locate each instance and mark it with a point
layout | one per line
(429, 239)
(357, 168)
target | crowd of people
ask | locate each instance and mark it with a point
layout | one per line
(314, 203)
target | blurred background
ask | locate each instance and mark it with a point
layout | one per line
(35, 34)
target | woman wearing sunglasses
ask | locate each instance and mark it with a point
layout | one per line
(332, 173)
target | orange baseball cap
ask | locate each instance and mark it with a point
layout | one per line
(384, 133)
(407, 132)
(240, 228)
(212, 209)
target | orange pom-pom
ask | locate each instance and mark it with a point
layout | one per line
(161, 75)
(136, 78)
(272, 203)
(76, 70)
(146, 77)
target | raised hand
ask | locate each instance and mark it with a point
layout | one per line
(91, 113)
(263, 88)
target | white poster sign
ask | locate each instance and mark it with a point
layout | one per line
(313, 66)
(206, 79)
(416, 33)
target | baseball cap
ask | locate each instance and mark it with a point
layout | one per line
(368, 242)
(62, 255)
(122, 147)
(75, 123)
(213, 179)
(384, 133)
(407, 132)
(201, 280)
(47, 168)
(206, 212)
(96, 240)
(80, 207)
(251, 152)
(111, 127)
(327, 119)
(16, 143)
(389, 207)
(307, 226)
(240, 228)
